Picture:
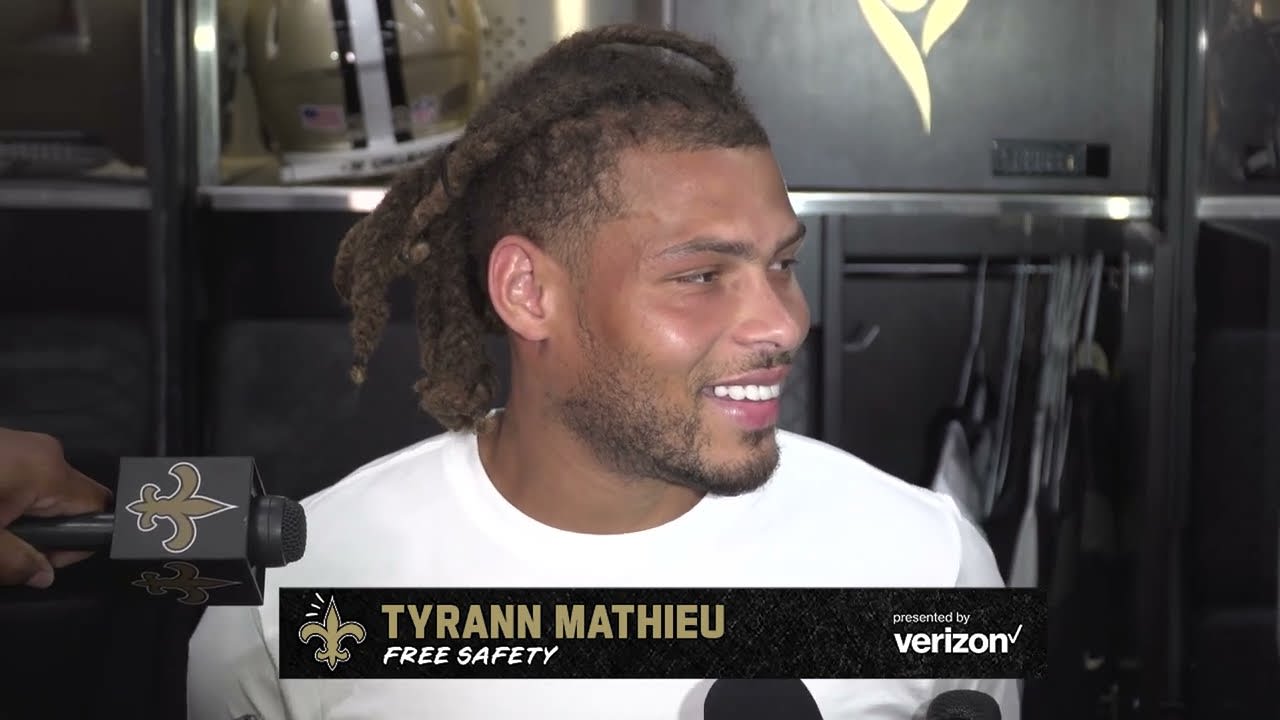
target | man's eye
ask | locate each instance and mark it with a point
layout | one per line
(698, 278)
(788, 264)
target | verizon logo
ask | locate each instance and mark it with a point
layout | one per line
(959, 643)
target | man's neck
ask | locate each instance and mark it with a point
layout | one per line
(548, 474)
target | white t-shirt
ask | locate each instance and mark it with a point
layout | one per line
(825, 519)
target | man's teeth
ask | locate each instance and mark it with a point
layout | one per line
(748, 392)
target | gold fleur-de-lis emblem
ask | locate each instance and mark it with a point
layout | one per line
(331, 631)
(182, 509)
(186, 579)
(901, 47)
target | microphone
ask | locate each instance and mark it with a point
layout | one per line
(760, 700)
(963, 705)
(201, 531)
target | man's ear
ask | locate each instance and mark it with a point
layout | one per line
(524, 284)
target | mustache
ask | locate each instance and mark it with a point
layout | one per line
(766, 361)
(786, 357)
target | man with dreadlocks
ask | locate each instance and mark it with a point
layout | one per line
(615, 210)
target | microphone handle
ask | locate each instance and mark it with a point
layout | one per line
(74, 532)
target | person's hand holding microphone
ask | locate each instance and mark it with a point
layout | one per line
(37, 481)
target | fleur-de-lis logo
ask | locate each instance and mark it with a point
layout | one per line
(901, 47)
(181, 509)
(186, 579)
(331, 631)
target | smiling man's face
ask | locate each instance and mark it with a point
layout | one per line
(688, 316)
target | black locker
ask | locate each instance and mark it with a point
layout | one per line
(1234, 503)
(277, 355)
(74, 340)
(1079, 77)
(75, 363)
(891, 389)
(1233, 499)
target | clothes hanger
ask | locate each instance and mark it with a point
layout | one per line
(1008, 395)
(974, 392)
(959, 437)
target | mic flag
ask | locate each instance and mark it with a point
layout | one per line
(201, 531)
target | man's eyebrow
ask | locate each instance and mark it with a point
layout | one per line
(733, 248)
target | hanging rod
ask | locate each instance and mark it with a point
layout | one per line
(1119, 273)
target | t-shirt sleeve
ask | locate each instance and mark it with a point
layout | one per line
(978, 568)
(230, 672)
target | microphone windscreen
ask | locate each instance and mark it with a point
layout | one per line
(963, 705)
(278, 535)
(293, 532)
(760, 700)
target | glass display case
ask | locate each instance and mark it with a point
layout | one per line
(73, 126)
(304, 120)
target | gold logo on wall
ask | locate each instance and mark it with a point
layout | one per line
(901, 47)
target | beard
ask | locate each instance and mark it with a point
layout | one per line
(617, 410)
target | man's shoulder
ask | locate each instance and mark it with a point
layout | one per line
(819, 469)
(383, 504)
(407, 470)
(908, 533)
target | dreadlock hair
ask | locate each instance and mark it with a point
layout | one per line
(536, 160)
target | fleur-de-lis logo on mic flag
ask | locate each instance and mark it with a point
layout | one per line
(901, 47)
(181, 509)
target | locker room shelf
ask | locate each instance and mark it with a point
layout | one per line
(1238, 207)
(270, 198)
(971, 204)
(57, 195)
(363, 199)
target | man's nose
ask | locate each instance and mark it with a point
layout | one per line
(773, 317)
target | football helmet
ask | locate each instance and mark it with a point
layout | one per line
(352, 89)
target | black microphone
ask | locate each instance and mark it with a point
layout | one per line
(963, 705)
(760, 700)
(198, 530)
